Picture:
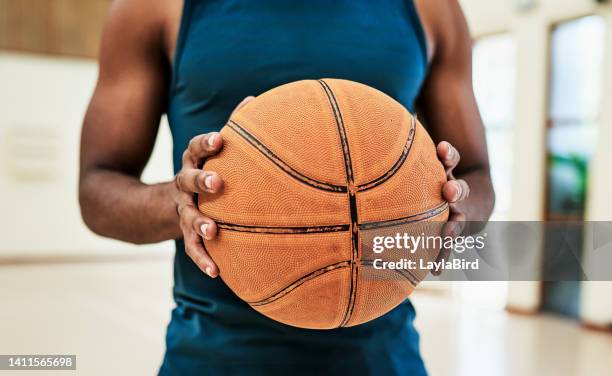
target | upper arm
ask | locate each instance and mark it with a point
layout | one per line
(447, 100)
(123, 116)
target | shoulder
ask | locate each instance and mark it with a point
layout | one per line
(142, 15)
(445, 26)
(146, 23)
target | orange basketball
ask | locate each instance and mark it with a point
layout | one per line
(313, 170)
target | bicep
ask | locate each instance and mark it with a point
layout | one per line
(447, 100)
(122, 119)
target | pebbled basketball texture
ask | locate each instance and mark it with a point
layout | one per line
(313, 170)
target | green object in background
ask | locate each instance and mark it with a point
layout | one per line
(568, 176)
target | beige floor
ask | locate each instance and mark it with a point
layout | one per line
(113, 316)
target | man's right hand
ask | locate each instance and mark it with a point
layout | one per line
(191, 181)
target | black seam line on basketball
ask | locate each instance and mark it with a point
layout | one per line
(409, 219)
(263, 149)
(396, 166)
(411, 278)
(301, 281)
(282, 230)
(408, 276)
(348, 165)
(352, 201)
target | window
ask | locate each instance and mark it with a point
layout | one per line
(575, 97)
(577, 49)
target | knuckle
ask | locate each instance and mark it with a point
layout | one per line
(186, 216)
(179, 180)
(183, 202)
(198, 258)
(466, 193)
(184, 198)
(183, 221)
(189, 249)
(458, 190)
(193, 143)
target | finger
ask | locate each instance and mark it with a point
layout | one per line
(465, 189)
(184, 200)
(455, 191)
(459, 219)
(196, 251)
(192, 220)
(459, 216)
(193, 241)
(192, 180)
(442, 256)
(188, 214)
(444, 251)
(453, 228)
(242, 104)
(448, 155)
(188, 161)
(451, 191)
(205, 145)
(205, 227)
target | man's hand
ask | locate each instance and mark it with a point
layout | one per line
(191, 180)
(454, 192)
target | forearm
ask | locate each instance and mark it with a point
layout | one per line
(119, 206)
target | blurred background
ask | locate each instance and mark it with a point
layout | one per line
(543, 80)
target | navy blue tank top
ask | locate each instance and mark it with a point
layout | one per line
(230, 49)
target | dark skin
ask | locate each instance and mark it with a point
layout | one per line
(122, 121)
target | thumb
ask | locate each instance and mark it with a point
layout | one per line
(242, 103)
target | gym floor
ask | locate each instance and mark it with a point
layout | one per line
(113, 316)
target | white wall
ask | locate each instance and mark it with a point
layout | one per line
(43, 103)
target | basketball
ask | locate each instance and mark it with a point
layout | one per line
(313, 170)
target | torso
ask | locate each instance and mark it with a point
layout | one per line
(222, 51)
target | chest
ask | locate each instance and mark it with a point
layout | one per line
(230, 49)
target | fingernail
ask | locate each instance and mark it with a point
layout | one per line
(208, 270)
(212, 139)
(203, 228)
(208, 181)
(450, 152)
(459, 192)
